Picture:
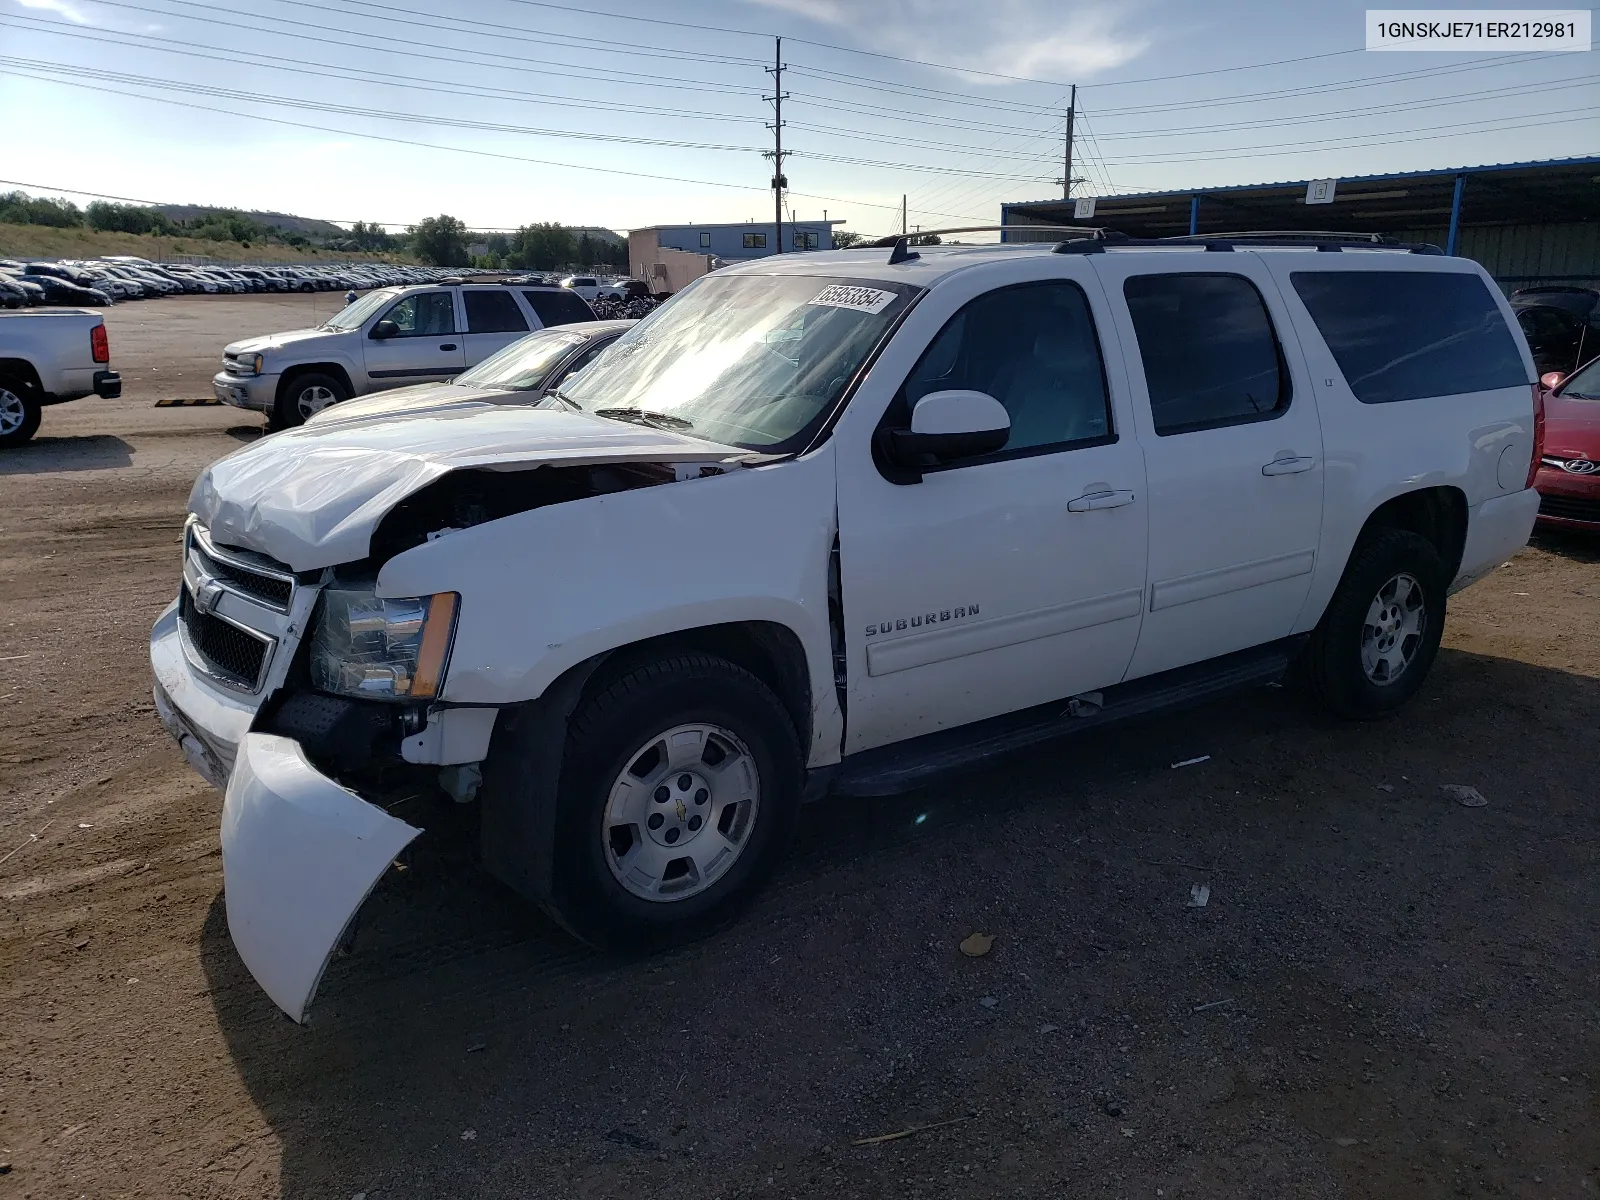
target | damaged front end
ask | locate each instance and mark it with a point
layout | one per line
(314, 700)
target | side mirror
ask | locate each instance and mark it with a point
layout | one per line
(947, 427)
(384, 330)
(1551, 380)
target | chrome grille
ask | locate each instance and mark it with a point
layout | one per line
(227, 651)
(262, 581)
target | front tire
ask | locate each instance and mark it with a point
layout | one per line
(304, 396)
(680, 785)
(1380, 634)
(20, 413)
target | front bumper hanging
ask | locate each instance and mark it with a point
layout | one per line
(300, 854)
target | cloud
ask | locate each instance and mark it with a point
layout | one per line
(61, 8)
(1009, 37)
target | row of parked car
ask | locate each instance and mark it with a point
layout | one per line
(102, 281)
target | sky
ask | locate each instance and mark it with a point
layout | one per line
(507, 112)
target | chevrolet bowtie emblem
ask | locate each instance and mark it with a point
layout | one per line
(207, 592)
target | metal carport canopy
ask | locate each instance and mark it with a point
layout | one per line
(1552, 191)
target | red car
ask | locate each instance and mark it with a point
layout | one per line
(1569, 466)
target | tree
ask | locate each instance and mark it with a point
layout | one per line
(843, 239)
(440, 241)
(923, 239)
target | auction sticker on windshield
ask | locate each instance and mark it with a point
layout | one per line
(861, 299)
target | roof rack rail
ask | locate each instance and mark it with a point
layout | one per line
(1088, 239)
(898, 244)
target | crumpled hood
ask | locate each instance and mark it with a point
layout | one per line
(275, 341)
(311, 497)
(416, 400)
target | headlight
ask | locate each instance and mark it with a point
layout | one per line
(248, 364)
(382, 649)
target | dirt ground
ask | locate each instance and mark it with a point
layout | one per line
(1387, 995)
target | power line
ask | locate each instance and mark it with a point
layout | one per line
(376, 137)
(628, 78)
(200, 89)
(410, 82)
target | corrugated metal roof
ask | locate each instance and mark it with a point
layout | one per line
(1580, 161)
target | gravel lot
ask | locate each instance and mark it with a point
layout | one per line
(1388, 994)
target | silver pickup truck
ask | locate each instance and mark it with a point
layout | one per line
(47, 358)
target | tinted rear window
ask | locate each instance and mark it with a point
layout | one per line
(1403, 335)
(1209, 351)
(559, 307)
(493, 312)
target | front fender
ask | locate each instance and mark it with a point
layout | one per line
(547, 589)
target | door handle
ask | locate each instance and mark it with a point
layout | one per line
(1289, 464)
(448, 346)
(1090, 501)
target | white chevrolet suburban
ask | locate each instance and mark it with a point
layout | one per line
(838, 521)
(49, 357)
(389, 338)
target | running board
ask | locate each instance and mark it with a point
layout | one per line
(890, 770)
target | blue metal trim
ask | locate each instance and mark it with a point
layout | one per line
(1194, 215)
(1455, 214)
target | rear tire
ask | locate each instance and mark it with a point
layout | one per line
(1378, 638)
(20, 413)
(635, 871)
(304, 396)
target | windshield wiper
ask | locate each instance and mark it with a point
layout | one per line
(565, 399)
(641, 416)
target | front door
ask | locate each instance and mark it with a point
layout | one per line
(427, 346)
(1233, 449)
(1006, 581)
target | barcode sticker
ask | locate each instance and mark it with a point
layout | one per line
(861, 299)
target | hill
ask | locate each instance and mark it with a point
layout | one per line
(287, 222)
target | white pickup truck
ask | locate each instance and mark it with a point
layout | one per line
(840, 521)
(392, 337)
(48, 357)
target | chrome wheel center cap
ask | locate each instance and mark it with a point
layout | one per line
(681, 803)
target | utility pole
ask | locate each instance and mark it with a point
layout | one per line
(902, 214)
(1066, 175)
(779, 182)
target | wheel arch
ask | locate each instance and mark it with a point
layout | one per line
(522, 774)
(1438, 514)
(336, 370)
(20, 370)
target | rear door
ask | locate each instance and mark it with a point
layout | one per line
(427, 346)
(1232, 449)
(494, 321)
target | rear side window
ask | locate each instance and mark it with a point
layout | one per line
(1403, 335)
(493, 312)
(1209, 352)
(558, 307)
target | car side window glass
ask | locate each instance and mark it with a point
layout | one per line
(584, 359)
(425, 314)
(1032, 347)
(1210, 355)
(1405, 335)
(557, 306)
(493, 312)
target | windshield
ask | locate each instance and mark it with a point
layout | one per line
(755, 361)
(352, 315)
(1584, 384)
(522, 366)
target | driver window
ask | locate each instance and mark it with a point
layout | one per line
(1033, 348)
(426, 314)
